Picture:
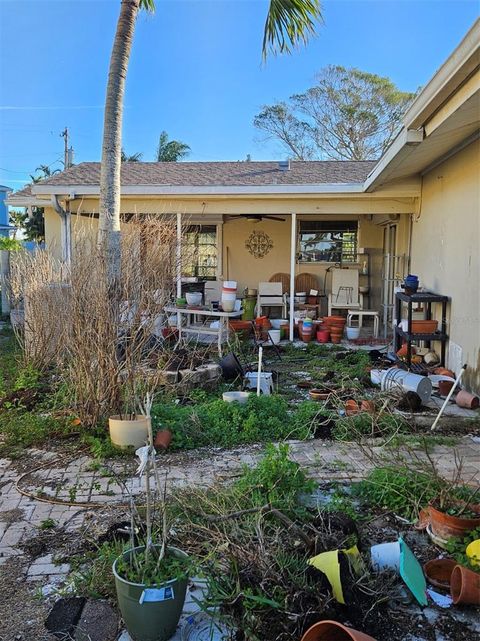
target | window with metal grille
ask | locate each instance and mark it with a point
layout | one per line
(328, 241)
(200, 251)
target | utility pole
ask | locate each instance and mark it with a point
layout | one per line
(67, 151)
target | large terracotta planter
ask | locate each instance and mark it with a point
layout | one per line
(445, 526)
(334, 631)
(465, 586)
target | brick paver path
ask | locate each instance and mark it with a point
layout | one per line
(82, 482)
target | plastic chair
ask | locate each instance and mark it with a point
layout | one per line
(271, 295)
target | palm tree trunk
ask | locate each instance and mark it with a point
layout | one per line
(109, 220)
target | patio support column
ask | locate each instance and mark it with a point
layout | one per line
(293, 251)
(178, 259)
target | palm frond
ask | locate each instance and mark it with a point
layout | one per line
(289, 23)
(147, 5)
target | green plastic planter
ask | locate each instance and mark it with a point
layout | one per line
(150, 621)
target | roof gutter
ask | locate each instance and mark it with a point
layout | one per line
(187, 190)
(458, 67)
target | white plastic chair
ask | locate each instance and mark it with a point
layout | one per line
(345, 293)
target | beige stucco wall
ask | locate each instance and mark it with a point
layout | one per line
(446, 251)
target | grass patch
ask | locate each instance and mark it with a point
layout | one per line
(399, 489)
(214, 422)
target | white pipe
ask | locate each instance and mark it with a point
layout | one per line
(457, 381)
(259, 371)
(293, 250)
(178, 258)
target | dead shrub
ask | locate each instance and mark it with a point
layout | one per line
(104, 341)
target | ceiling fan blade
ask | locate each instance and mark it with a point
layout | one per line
(282, 220)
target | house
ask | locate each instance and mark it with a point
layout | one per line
(414, 210)
(4, 226)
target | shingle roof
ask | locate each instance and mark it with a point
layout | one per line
(26, 191)
(199, 174)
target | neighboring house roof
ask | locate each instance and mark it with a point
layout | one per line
(209, 174)
(5, 188)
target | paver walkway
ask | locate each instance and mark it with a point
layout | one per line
(80, 482)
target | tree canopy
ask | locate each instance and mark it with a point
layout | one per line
(171, 150)
(348, 114)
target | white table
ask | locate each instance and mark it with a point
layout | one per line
(200, 328)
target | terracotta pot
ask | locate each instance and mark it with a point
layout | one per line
(424, 326)
(351, 407)
(163, 438)
(465, 586)
(334, 320)
(367, 406)
(336, 338)
(442, 371)
(318, 395)
(439, 572)
(445, 526)
(402, 352)
(323, 335)
(334, 631)
(467, 400)
(444, 387)
(307, 337)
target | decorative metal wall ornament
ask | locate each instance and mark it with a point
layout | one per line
(259, 244)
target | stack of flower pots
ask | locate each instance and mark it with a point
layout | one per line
(262, 325)
(323, 333)
(229, 295)
(307, 330)
(336, 325)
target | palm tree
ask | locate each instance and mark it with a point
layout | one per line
(124, 157)
(288, 23)
(171, 150)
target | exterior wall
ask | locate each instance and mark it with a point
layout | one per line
(240, 265)
(445, 251)
(3, 212)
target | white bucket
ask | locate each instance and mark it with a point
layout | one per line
(274, 335)
(394, 377)
(229, 295)
(276, 322)
(228, 305)
(231, 284)
(376, 376)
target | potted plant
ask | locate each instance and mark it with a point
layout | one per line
(151, 578)
(454, 512)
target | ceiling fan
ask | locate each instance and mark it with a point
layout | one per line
(257, 218)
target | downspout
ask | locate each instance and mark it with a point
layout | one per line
(66, 230)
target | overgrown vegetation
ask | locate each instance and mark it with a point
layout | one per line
(456, 548)
(399, 489)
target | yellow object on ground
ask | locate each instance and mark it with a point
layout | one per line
(473, 552)
(327, 562)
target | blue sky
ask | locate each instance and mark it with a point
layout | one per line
(195, 71)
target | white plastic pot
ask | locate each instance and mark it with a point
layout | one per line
(274, 335)
(376, 376)
(230, 284)
(393, 378)
(126, 433)
(386, 556)
(193, 298)
(239, 397)
(353, 333)
(276, 322)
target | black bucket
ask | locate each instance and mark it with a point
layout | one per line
(231, 367)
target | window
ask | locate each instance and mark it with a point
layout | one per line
(200, 251)
(328, 241)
